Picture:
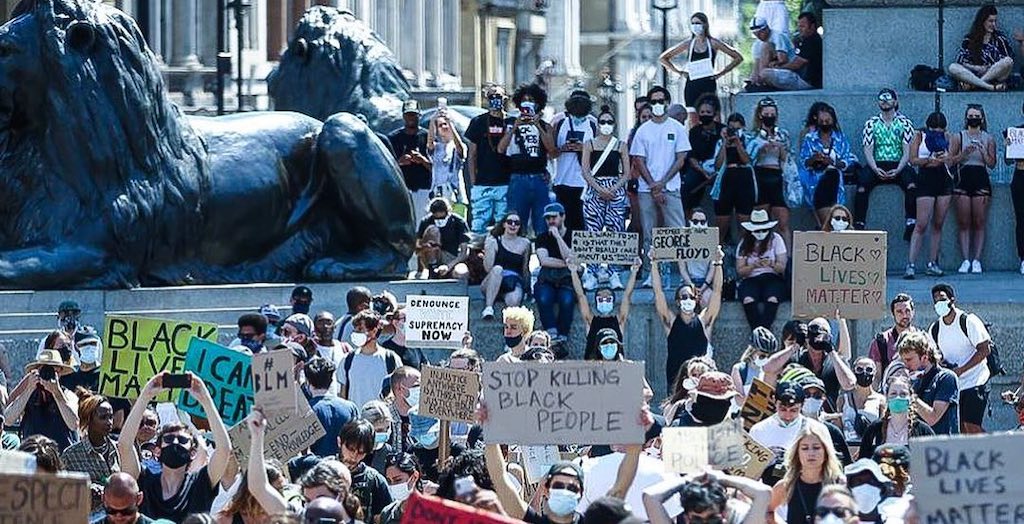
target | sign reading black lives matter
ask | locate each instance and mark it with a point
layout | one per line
(449, 394)
(844, 271)
(605, 247)
(436, 322)
(685, 244)
(968, 479)
(575, 402)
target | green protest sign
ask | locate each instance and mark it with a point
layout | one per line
(227, 374)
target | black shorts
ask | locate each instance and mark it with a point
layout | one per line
(737, 192)
(770, 187)
(510, 283)
(933, 182)
(827, 190)
(974, 181)
(762, 287)
(695, 89)
(974, 404)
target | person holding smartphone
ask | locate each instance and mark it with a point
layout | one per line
(528, 144)
(42, 405)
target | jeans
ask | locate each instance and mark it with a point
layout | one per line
(490, 204)
(785, 80)
(671, 213)
(548, 296)
(869, 180)
(527, 196)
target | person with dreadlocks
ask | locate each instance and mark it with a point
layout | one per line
(96, 453)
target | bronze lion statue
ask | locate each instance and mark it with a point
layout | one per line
(104, 183)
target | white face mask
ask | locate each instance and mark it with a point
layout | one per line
(658, 109)
(399, 491)
(90, 353)
(812, 407)
(831, 519)
(441, 222)
(867, 498)
(760, 362)
(358, 339)
(690, 383)
(760, 235)
(698, 29)
(942, 308)
(839, 225)
(606, 129)
(687, 305)
(414, 396)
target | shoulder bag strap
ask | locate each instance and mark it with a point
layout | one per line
(612, 145)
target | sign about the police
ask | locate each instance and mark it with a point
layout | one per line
(449, 394)
(605, 247)
(573, 402)
(844, 271)
(136, 349)
(688, 450)
(44, 498)
(962, 479)
(227, 374)
(436, 322)
(273, 381)
(288, 433)
(685, 244)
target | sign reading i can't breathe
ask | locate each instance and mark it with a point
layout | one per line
(575, 402)
(436, 322)
(227, 374)
(605, 247)
(685, 244)
(844, 271)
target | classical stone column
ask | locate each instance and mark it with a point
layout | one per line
(432, 38)
(452, 59)
(412, 27)
(183, 34)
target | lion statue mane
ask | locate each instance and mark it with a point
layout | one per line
(104, 183)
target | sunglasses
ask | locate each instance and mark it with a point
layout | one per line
(885, 97)
(513, 222)
(606, 122)
(835, 511)
(699, 222)
(149, 423)
(176, 439)
(863, 370)
(841, 218)
(126, 512)
(575, 488)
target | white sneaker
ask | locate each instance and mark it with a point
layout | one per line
(488, 313)
(589, 280)
(964, 267)
(976, 266)
(614, 281)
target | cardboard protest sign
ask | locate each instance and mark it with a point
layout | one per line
(227, 374)
(425, 509)
(288, 433)
(964, 478)
(449, 394)
(273, 381)
(570, 402)
(20, 462)
(436, 322)
(44, 498)
(725, 443)
(756, 458)
(844, 271)
(1015, 143)
(135, 349)
(684, 243)
(605, 247)
(685, 450)
(760, 404)
(537, 460)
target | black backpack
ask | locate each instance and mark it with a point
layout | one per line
(923, 77)
(994, 361)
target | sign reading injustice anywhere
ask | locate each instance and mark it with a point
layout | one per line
(572, 402)
(1015, 143)
(436, 322)
(760, 404)
(287, 434)
(605, 247)
(966, 479)
(684, 243)
(135, 349)
(449, 394)
(422, 509)
(844, 271)
(44, 498)
(228, 376)
(273, 380)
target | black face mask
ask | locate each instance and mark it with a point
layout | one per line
(865, 379)
(512, 342)
(706, 119)
(301, 308)
(825, 128)
(822, 344)
(710, 410)
(769, 121)
(175, 456)
(974, 122)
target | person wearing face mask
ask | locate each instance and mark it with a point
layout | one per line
(177, 490)
(528, 143)
(252, 333)
(41, 404)
(862, 405)
(704, 137)
(932, 154)
(69, 322)
(572, 130)
(826, 360)
(815, 402)
(899, 422)
(517, 323)
(886, 139)
(403, 474)
(485, 167)
(701, 51)
(443, 244)
(447, 155)
(779, 431)
(409, 431)
(369, 364)
(326, 346)
(769, 151)
(751, 365)
(711, 404)
(936, 389)
(699, 274)
(835, 505)
(973, 191)
(298, 328)
(735, 187)
(378, 413)
(688, 332)
(825, 156)
(603, 315)
(302, 300)
(761, 258)
(705, 499)
(870, 488)
(838, 220)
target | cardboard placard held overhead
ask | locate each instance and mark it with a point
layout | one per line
(425, 509)
(688, 450)
(537, 460)
(760, 404)
(227, 374)
(135, 349)
(685, 244)
(756, 458)
(273, 381)
(605, 247)
(44, 498)
(1015, 143)
(570, 402)
(963, 478)
(436, 322)
(288, 433)
(844, 271)
(449, 394)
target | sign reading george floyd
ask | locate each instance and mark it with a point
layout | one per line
(423, 509)
(685, 244)
(273, 381)
(227, 374)
(844, 271)
(288, 433)
(435, 321)
(605, 247)
(960, 479)
(449, 394)
(136, 349)
(44, 498)
(571, 402)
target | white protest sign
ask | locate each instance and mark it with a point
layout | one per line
(435, 321)
(571, 402)
(537, 460)
(844, 271)
(274, 387)
(726, 444)
(1015, 143)
(685, 450)
(962, 479)
(684, 244)
(605, 247)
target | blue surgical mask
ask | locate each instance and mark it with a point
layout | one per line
(605, 308)
(252, 344)
(427, 440)
(562, 502)
(414, 396)
(380, 438)
(608, 351)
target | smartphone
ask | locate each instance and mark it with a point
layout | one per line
(47, 373)
(177, 381)
(528, 109)
(465, 488)
(442, 103)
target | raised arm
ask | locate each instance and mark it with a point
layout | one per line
(627, 468)
(581, 296)
(627, 295)
(219, 458)
(19, 397)
(259, 485)
(510, 499)
(660, 305)
(655, 497)
(735, 55)
(126, 451)
(709, 315)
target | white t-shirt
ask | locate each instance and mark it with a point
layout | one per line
(568, 171)
(958, 349)
(771, 434)
(658, 145)
(335, 353)
(599, 476)
(367, 374)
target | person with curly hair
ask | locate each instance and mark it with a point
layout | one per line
(936, 389)
(96, 453)
(529, 144)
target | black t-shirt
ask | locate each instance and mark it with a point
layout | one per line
(702, 141)
(412, 357)
(416, 177)
(486, 131)
(87, 379)
(526, 153)
(546, 241)
(809, 49)
(453, 234)
(195, 495)
(372, 490)
(532, 517)
(827, 375)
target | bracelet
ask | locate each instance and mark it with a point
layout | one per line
(716, 263)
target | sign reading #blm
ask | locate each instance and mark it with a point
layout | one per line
(685, 244)
(844, 271)
(577, 402)
(605, 247)
(436, 322)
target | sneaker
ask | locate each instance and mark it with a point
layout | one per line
(614, 281)
(909, 273)
(589, 280)
(934, 270)
(976, 267)
(487, 313)
(964, 267)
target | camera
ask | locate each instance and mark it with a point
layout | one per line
(527, 110)
(47, 372)
(732, 132)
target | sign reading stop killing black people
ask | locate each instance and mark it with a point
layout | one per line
(605, 247)
(685, 244)
(449, 394)
(844, 271)
(574, 402)
(436, 322)
(227, 374)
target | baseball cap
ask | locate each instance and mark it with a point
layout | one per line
(758, 23)
(895, 454)
(270, 311)
(888, 90)
(564, 467)
(297, 350)
(302, 293)
(68, 305)
(715, 384)
(410, 106)
(553, 208)
(301, 322)
(607, 334)
(812, 382)
(789, 393)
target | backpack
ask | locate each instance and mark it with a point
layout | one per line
(994, 361)
(923, 77)
(883, 350)
(391, 360)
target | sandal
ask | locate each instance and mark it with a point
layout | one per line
(1000, 87)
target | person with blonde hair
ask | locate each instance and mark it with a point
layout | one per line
(518, 323)
(811, 464)
(937, 390)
